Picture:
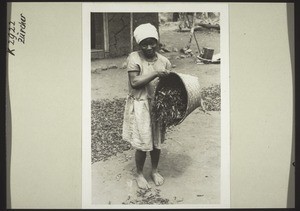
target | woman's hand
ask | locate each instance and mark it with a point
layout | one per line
(162, 73)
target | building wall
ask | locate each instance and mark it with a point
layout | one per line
(119, 34)
(119, 31)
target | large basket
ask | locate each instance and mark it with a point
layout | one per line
(191, 89)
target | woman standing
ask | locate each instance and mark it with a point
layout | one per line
(144, 68)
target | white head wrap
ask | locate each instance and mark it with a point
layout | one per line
(144, 31)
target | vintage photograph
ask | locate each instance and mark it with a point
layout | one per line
(155, 109)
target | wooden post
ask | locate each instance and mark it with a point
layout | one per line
(192, 31)
(105, 30)
(199, 51)
(131, 32)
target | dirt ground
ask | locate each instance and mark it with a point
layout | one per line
(190, 158)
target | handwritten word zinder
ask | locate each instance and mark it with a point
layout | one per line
(14, 35)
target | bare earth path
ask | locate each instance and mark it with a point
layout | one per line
(189, 162)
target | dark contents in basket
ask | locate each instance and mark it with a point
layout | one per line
(170, 102)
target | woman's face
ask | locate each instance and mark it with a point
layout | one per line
(148, 47)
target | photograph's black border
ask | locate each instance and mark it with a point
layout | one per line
(3, 12)
(4, 160)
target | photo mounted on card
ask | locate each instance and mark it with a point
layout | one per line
(155, 105)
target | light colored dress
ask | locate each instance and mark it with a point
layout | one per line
(138, 127)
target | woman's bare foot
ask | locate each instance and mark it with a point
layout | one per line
(157, 178)
(142, 182)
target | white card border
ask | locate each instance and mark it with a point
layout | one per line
(87, 8)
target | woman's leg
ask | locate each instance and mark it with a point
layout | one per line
(140, 158)
(157, 178)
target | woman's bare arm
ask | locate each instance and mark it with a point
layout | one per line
(138, 81)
